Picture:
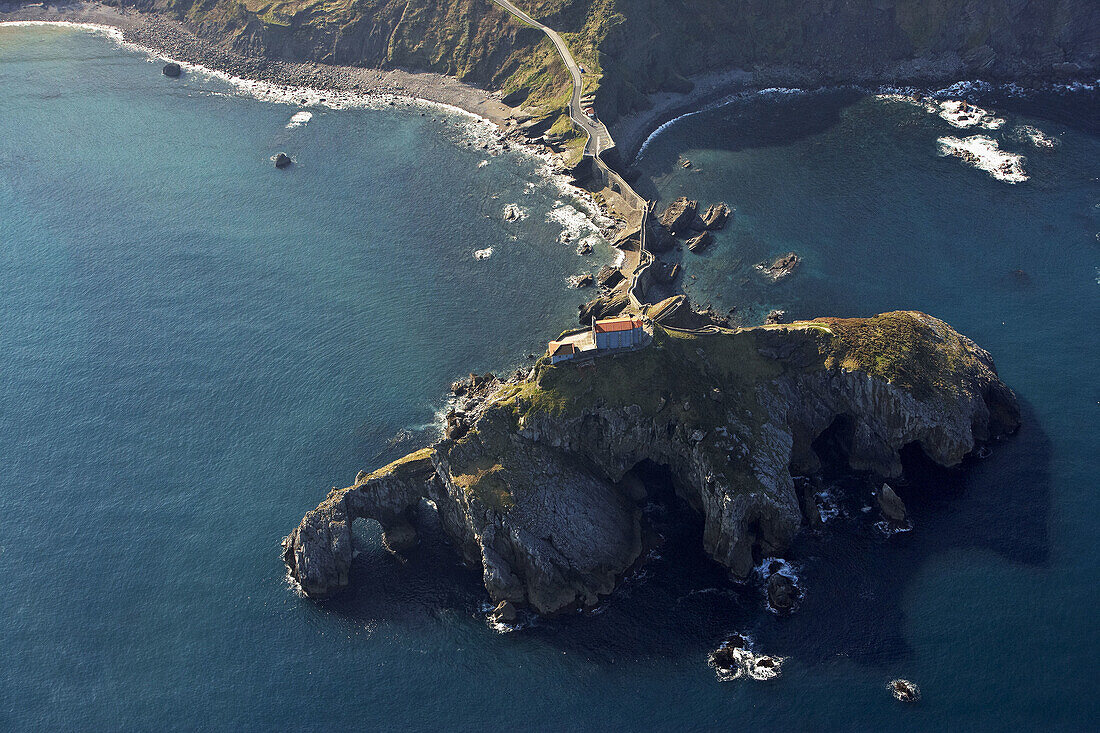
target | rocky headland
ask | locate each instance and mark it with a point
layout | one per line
(534, 480)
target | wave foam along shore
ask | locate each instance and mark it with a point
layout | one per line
(479, 129)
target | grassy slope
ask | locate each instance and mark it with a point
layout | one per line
(632, 48)
(698, 381)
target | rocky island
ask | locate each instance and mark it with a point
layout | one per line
(534, 480)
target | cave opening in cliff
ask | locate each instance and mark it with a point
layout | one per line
(834, 445)
(666, 513)
(924, 479)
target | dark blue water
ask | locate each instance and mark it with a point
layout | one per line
(194, 347)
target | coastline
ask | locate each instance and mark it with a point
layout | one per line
(309, 84)
(170, 40)
(713, 89)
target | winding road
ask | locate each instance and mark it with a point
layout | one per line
(599, 138)
(598, 141)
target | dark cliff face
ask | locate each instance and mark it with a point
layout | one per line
(636, 47)
(538, 489)
(827, 41)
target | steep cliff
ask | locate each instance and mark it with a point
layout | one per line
(532, 486)
(632, 48)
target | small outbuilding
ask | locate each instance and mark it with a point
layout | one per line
(617, 333)
(561, 351)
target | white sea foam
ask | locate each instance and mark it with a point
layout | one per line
(770, 565)
(299, 118)
(984, 153)
(770, 91)
(1035, 136)
(746, 663)
(888, 528)
(574, 223)
(483, 163)
(827, 507)
(111, 32)
(483, 254)
(962, 114)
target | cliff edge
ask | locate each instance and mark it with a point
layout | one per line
(532, 481)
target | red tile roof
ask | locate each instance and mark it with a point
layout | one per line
(557, 348)
(610, 325)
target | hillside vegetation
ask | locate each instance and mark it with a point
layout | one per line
(632, 48)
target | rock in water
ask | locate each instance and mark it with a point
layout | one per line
(781, 267)
(893, 508)
(282, 160)
(677, 217)
(715, 216)
(700, 242)
(782, 592)
(172, 70)
(775, 317)
(531, 491)
(725, 657)
(904, 690)
(504, 613)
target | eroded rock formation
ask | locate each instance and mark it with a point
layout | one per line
(538, 490)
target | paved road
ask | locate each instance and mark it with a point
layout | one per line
(598, 137)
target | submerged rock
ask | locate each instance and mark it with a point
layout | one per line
(282, 160)
(532, 494)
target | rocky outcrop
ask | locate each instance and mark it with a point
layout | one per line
(678, 215)
(172, 70)
(893, 508)
(782, 592)
(583, 280)
(716, 216)
(282, 160)
(659, 240)
(318, 552)
(904, 690)
(775, 317)
(538, 492)
(609, 277)
(699, 242)
(780, 267)
(604, 306)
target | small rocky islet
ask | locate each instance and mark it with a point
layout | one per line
(533, 478)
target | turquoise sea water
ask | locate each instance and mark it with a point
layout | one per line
(194, 347)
